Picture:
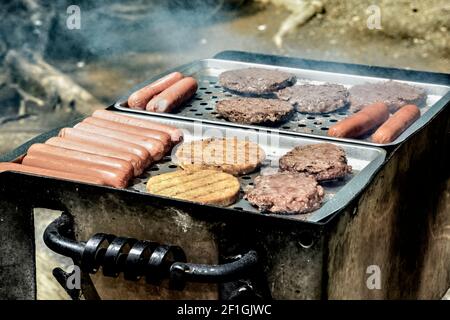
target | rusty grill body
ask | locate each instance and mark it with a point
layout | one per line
(295, 254)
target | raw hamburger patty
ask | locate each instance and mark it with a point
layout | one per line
(229, 155)
(204, 186)
(394, 94)
(254, 110)
(256, 80)
(285, 192)
(309, 98)
(324, 161)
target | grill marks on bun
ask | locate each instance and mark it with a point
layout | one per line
(204, 186)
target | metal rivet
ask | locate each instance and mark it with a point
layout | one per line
(306, 239)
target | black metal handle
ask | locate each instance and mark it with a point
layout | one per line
(136, 258)
(180, 271)
(63, 244)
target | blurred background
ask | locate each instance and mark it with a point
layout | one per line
(62, 59)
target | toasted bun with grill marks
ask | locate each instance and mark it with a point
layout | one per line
(204, 186)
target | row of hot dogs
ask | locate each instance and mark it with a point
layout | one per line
(106, 149)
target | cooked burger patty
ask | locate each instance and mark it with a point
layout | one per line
(254, 110)
(285, 192)
(324, 161)
(309, 98)
(256, 81)
(204, 186)
(229, 155)
(394, 94)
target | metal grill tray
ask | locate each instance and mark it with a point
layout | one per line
(202, 105)
(364, 161)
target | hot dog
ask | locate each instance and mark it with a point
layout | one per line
(175, 134)
(361, 122)
(396, 124)
(136, 162)
(140, 98)
(173, 96)
(110, 177)
(67, 155)
(9, 166)
(86, 137)
(153, 146)
(150, 133)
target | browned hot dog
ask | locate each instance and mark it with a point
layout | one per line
(140, 98)
(150, 133)
(361, 122)
(86, 137)
(110, 176)
(153, 146)
(9, 166)
(175, 134)
(173, 96)
(67, 155)
(396, 124)
(136, 162)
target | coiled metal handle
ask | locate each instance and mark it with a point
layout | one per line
(180, 271)
(140, 258)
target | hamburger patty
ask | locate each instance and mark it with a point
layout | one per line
(309, 98)
(324, 161)
(255, 81)
(286, 193)
(229, 155)
(254, 110)
(394, 94)
(204, 186)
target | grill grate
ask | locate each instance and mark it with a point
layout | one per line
(203, 106)
(364, 160)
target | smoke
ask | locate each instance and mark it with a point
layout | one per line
(175, 26)
(177, 32)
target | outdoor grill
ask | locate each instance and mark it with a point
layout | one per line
(132, 244)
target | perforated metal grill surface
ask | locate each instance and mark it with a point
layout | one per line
(360, 158)
(203, 105)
